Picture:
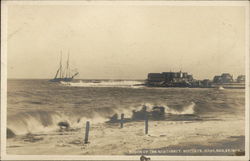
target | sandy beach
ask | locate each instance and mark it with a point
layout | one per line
(212, 137)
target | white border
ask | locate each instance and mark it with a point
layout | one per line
(247, 71)
(3, 77)
(127, 2)
(5, 4)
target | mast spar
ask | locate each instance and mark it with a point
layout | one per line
(60, 66)
(68, 70)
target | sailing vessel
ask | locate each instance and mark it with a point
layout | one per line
(64, 75)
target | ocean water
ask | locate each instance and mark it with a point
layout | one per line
(35, 106)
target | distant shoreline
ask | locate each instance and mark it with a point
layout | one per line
(143, 83)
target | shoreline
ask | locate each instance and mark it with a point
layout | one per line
(110, 139)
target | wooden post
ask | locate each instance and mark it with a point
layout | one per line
(122, 120)
(146, 124)
(86, 133)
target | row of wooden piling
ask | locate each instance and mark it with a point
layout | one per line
(121, 126)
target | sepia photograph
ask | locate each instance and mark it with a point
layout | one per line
(122, 80)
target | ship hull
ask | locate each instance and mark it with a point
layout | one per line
(61, 80)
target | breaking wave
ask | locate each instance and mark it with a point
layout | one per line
(44, 121)
(41, 121)
(102, 83)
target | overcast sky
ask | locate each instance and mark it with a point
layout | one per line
(125, 42)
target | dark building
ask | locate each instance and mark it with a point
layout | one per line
(155, 77)
(217, 79)
(183, 79)
(170, 79)
(206, 83)
(190, 77)
(169, 76)
(224, 78)
(227, 78)
(241, 79)
(184, 75)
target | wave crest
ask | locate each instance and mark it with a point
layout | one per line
(44, 121)
(110, 83)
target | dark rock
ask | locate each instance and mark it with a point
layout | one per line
(114, 118)
(63, 125)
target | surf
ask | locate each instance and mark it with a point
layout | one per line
(105, 83)
(42, 121)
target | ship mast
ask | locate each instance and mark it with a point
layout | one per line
(68, 70)
(56, 73)
(61, 66)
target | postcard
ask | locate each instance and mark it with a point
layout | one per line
(125, 80)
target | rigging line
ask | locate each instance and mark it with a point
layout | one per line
(61, 65)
